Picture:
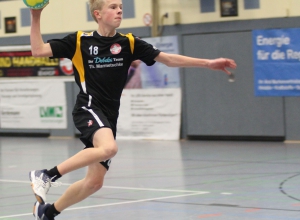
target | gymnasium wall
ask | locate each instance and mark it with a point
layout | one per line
(212, 107)
(65, 16)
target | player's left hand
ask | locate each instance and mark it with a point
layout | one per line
(222, 64)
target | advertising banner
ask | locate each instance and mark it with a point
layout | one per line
(159, 75)
(151, 101)
(150, 114)
(276, 55)
(21, 63)
(33, 105)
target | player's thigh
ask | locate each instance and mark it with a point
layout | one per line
(104, 137)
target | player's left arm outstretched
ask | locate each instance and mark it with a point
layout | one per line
(176, 60)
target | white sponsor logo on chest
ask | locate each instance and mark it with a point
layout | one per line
(115, 48)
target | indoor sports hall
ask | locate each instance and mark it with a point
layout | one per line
(193, 143)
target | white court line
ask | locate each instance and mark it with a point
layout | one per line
(195, 193)
(119, 187)
(13, 181)
(111, 204)
(226, 193)
(13, 216)
(157, 190)
(136, 201)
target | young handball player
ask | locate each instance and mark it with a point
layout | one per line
(101, 60)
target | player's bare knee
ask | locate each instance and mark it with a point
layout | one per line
(108, 151)
(94, 184)
(111, 150)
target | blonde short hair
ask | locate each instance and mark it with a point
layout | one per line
(95, 5)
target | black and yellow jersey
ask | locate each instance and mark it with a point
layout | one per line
(101, 65)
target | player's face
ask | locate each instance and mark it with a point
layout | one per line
(111, 13)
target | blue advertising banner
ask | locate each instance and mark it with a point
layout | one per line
(276, 55)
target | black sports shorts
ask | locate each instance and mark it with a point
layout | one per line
(88, 121)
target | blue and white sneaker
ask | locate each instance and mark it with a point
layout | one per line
(39, 211)
(41, 183)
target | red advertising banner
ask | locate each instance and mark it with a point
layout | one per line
(22, 64)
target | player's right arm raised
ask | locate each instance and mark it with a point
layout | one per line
(38, 47)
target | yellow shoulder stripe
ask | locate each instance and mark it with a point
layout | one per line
(77, 58)
(131, 41)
